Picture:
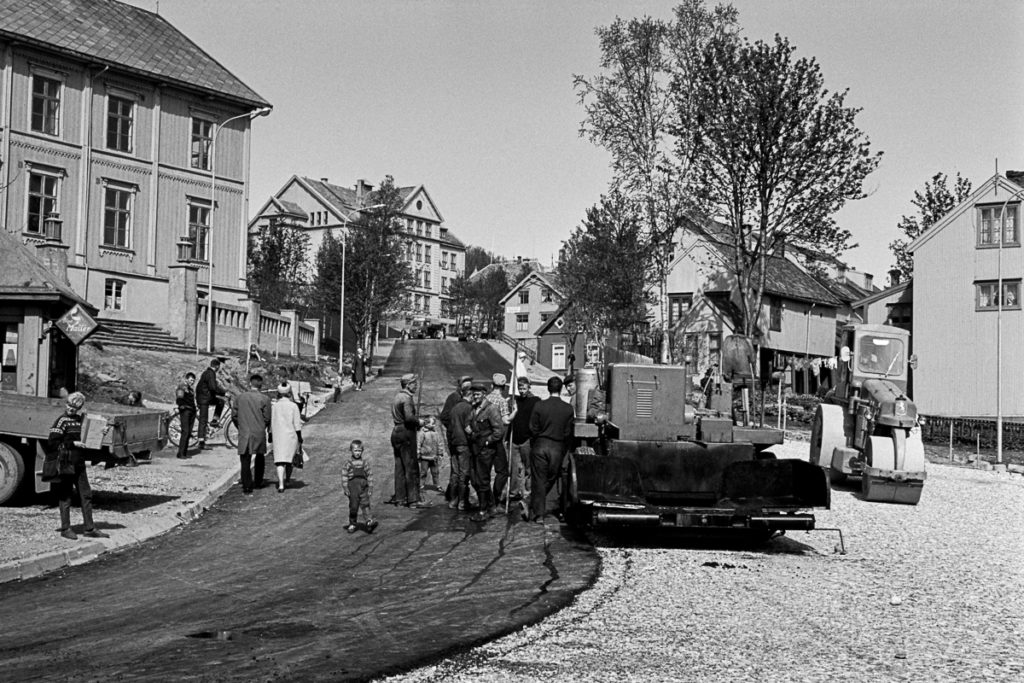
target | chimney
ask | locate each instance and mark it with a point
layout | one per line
(894, 277)
(323, 180)
(363, 188)
(52, 252)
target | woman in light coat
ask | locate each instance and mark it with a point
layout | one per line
(286, 432)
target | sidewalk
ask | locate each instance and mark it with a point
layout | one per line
(132, 504)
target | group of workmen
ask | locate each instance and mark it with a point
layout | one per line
(496, 440)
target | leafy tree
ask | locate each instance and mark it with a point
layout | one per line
(775, 155)
(633, 110)
(460, 298)
(326, 289)
(606, 271)
(477, 258)
(487, 292)
(933, 203)
(278, 271)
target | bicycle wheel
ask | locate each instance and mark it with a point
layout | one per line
(231, 433)
(174, 433)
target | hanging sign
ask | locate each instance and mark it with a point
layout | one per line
(76, 324)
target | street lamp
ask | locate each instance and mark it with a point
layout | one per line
(262, 111)
(999, 318)
(341, 305)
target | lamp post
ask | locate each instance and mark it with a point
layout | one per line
(341, 303)
(999, 318)
(262, 111)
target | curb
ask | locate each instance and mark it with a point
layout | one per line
(30, 567)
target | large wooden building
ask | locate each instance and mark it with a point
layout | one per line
(131, 145)
(435, 255)
(967, 329)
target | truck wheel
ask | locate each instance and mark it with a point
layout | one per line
(826, 434)
(12, 471)
(574, 514)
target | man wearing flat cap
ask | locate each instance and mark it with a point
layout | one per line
(500, 399)
(403, 441)
(461, 388)
(486, 432)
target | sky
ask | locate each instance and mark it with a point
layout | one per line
(474, 100)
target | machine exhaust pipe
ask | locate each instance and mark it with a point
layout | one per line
(628, 518)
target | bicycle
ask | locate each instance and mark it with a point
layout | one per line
(226, 424)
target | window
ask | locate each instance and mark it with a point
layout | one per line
(546, 295)
(715, 348)
(427, 229)
(988, 225)
(426, 253)
(445, 308)
(419, 253)
(544, 317)
(444, 285)
(202, 141)
(988, 299)
(524, 296)
(8, 356)
(42, 200)
(46, 105)
(199, 228)
(120, 123)
(444, 260)
(678, 305)
(775, 314)
(113, 295)
(522, 322)
(426, 279)
(117, 217)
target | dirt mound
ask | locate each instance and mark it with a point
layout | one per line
(110, 372)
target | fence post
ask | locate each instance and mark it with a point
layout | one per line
(951, 440)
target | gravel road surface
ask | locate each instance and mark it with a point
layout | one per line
(925, 593)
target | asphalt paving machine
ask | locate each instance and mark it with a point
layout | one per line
(867, 426)
(647, 457)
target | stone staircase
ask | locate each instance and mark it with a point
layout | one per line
(137, 335)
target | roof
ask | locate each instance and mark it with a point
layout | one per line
(996, 181)
(544, 278)
(783, 278)
(546, 326)
(902, 287)
(119, 35)
(513, 269)
(24, 277)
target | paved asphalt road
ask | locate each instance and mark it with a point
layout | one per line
(271, 587)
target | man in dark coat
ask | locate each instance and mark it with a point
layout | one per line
(185, 398)
(486, 431)
(550, 432)
(403, 442)
(460, 417)
(461, 389)
(519, 455)
(209, 392)
(253, 410)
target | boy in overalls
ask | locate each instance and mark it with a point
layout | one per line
(358, 478)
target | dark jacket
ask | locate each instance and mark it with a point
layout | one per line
(461, 416)
(521, 422)
(207, 387)
(185, 398)
(446, 411)
(552, 419)
(254, 411)
(403, 410)
(488, 429)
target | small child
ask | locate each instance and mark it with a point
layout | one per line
(358, 478)
(430, 450)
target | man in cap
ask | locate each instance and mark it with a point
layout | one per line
(550, 430)
(209, 392)
(461, 388)
(519, 455)
(65, 440)
(459, 442)
(403, 442)
(486, 431)
(500, 399)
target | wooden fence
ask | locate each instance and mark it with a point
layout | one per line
(973, 431)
